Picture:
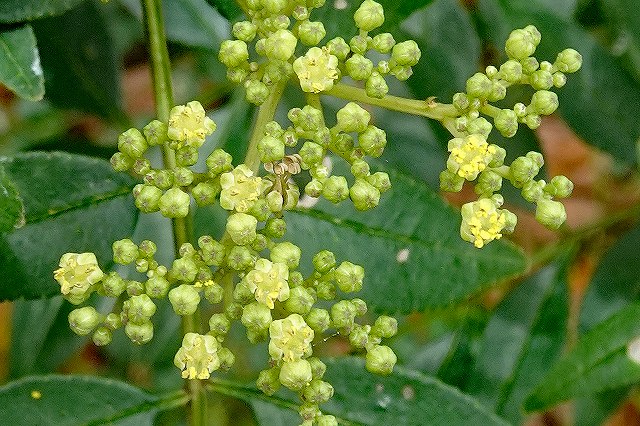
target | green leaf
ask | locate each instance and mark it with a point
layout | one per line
(590, 101)
(406, 397)
(20, 68)
(523, 339)
(594, 410)
(615, 283)
(74, 400)
(79, 61)
(26, 10)
(72, 204)
(227, 8)
(413, 222)
(598, 363)
(11, 208)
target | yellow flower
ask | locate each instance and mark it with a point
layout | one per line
(77, 274)
(290, 339)
(482, 222)
(268, 282)
(469, 156)
(240, 189)
(189, 125)
(198, 356)
(316, 70)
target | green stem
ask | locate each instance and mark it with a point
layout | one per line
(266, 113)
(163, 96)
(427, 108)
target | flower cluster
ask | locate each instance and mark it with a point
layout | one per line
(472, 158)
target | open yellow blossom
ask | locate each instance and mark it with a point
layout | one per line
(469, 156)
(482, 222)
(198, 356)
(189, 124)
(268, 282)
(77, 274)
(290, 339)
(316, 70)
(240, 189)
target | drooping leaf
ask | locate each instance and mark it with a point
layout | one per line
(74, 400)
(11, 209)
(598, 363)
(26, 10)
(523, 339)
(20, 68)
(72, 204)
(615, 283)
(79, 60)
(409, 246)
(406, 397)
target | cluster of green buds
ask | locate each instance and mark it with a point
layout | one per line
(250, 274)
(472, 158)
(274, 28)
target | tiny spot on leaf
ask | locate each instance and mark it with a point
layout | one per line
(36, 394)
(403, 255)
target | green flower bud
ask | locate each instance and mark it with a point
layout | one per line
(244, 30)
(213, 292)
(237, 75)
(383, 43)
(544, 102)
(280, 45)
(227, 359)
(233, 311)
(182, 176)
(369, 15)
(139, 333)
(82, 321)
(532, 121)
(256, 92)
(318, 368)
(213, 254)
(353, 118)
(147, 198)
(295, 279)
(479, 86)
(488, 183)
(521, 43)
(300, 13)
(121, 162)
(141, 166)
(162, 179)
(380, 360)
(102, 336)
(184, 269)
(174, 203)
(506, 121)
(256, 316)
(124, 251)
(311, 33)
(113, 321)
(461, 101)
(360, 306)
(541, 80)
(318, 392)
(559, 79)
(205, 193)
(300, 301)
(327, 420)
(240, 258)
(233, 53)
(318, 319)
(184, 299)
(358, 67)
(523, 170)
(338, 48)
(342, 143)
(138, 309)
(560, 187)
(359, 44)
(307, 118)
(325, 290)
(113, 285)
(286, 253)
(157, 287)
(364, 195)
(275, 201)
(380, 180)
(295, 375)
(349, 277)
(385, 326)
(268, 381)
(529, 65)
(343, 314)
(132, 143)
(270, 149)
(511, 71)
(372, 141)
(311, 154)
(359, 336)
(242, 228)
(376, 86)
(275, 228)
(274, 6)
(568, 61)
(335, 189)
(550, 213)
(360, 168)
(533, 190)
(219, 325)
(134, 288)
(147, 248)
(219, 162)
(450, 181)
(324, 261)
(406, 53)
(498, 157)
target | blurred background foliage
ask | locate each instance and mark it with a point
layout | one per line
(492, 323)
